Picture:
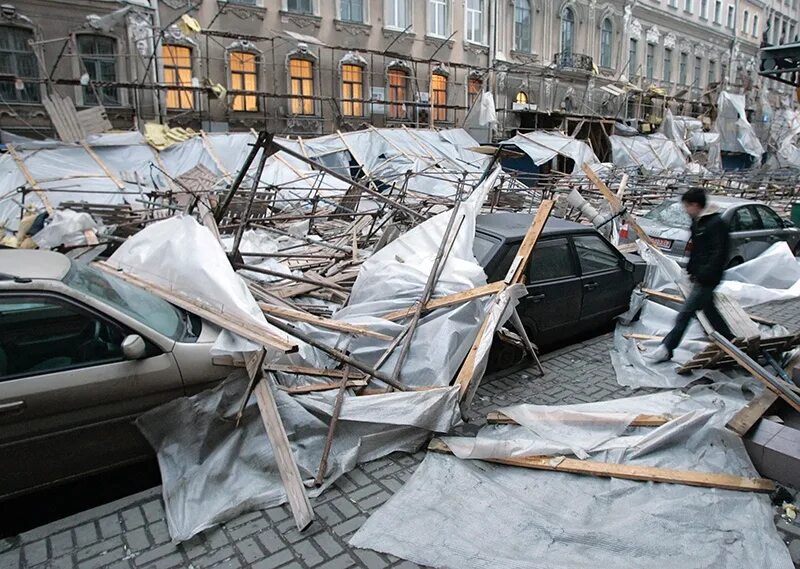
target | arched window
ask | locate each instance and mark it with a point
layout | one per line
(17, 62)
(439, 96)
(244, 77)
(99, 59)
(301, 78)
(567, 30)
(606, 36)
(352, 90)
(522, 26)
(397, 79)
(177, 61)
(521, 98)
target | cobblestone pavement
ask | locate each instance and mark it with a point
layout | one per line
(132, 532)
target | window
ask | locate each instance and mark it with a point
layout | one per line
(769, 219)
(684, 62)
(244, 77)
(606, 39)
(712, 72)
(667, 65)
(439, 96)
(746, 219)
(594, 254)
(437, 18)
(352, 88)
(746, 21)
(521, 97)
(40, 334)
(17, 62)
(351, 10)
(397, 14)
(551, 259)
(474, 88)
(98, 57)
(704, 9)
(178, 71)
(718, 12)
(698, 63)
(301, 79)
(299, 6)
(687, 6)
(723, 72)
(567, 30)
(755, 25)
(398, 88)
(730, 17)
(474, 25)
(633, 58)
(523, 30)
(650, 61)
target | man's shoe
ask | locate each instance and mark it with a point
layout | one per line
(661, 355)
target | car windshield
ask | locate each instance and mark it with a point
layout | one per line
(482, 247)
(671, 214)
(139, 304)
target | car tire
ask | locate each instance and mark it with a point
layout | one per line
(734, 262)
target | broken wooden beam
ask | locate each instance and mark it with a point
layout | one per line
(642, 420)
(629, 471)
(449, 300)
(290, 314)
(317, 387)
(750, 414)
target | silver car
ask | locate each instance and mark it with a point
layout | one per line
(82, 354)
(753, 227)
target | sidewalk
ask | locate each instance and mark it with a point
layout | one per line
(132, 532)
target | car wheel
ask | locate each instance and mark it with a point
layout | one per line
(734, 262)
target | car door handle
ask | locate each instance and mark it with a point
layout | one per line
(590, 286)
(746, 240)
(11, 407)
(537, 297)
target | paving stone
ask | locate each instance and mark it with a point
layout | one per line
(85, 534)
(61, 543)
(350, 526)
(11, 559)
(103, 559)
(155, 553)
(132, 518)
(159, 532)
(248, 528)
(374, 501)
(327, 544)
(342, 562)
(370, 559)
(271, 541)
(153, 510)
(98, 548)
(35, 552)
(168, 562)
(110, 526)
(214, 557)
(345, 507)
(250, 549)
(216, 538)
(307, 553)
(137, 539)
(275, 560)
(794, 551)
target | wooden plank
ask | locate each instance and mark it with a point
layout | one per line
(96, 158)
(449, 300)
(316, 387)
(290, 314)
(750, 414)
(210, 149)
(679, 299)
(520, 264)
(630, 472)
(755, 369)
(259, 334)
(287, 467)
(37, 189)
(313, 371)
(643, 420)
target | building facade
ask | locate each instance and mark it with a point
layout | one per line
(316, 66)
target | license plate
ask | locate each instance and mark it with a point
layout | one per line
(662, 243)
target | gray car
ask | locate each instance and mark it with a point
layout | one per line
(753, 227)
(82, 354)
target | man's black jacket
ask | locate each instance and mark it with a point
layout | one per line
(709, 254)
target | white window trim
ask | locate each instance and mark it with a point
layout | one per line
(285, 8)
(482, 41)
(531, 27)
(447, 12)
(364, 15)
(409, 15)
(119, 68)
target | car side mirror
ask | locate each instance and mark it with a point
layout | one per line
(133, 347)
(788, 223)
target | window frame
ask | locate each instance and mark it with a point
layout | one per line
(243, 74)
(519, 27)
(730, 20)
(88, 97)
(171, 64)
(650, 61)
(438, 108)
(666, 72)
(633, 58)
(393, 7)
(718, 12)
(571, 256)
(34, 90)
(473, 94)
(683, 68)
(311, 8)
(771, 214)
(735, 219)
(363, 16)
(396, 106)
(606, 47)
(609, 248)
(567, 29)
(308, 105)
(471, 16)
(359, 84)
(433, 7)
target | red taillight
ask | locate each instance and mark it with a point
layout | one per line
(623, 231)
(689, 247)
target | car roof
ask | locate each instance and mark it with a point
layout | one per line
(32, 264)
(724, 202)
(515, 225)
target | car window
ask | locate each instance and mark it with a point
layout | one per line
(504, 265)
(551, 259)
(594, 254)
(671, 214)
(483, 246)
(745, 219)
(769, 219)
(43, 334)
(137, 303)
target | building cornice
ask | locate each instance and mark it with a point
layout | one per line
(681, 25)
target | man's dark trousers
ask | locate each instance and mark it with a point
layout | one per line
(701, 298)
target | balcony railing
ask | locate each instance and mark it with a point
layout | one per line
(570, 60)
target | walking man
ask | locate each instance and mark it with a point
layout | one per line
(707, 261)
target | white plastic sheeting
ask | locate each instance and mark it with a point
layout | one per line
(465, 514)
(735, 132)
(66, 227)
(654, 153)
(543, 146)
(783, 150)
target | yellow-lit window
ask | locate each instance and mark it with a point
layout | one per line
(301, 75)
(352, 88)
(521, 98)
(474, 87)
(178, 71)
(398, 81)
(244, 77)
(439, 94)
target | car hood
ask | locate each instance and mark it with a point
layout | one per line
(656, 229)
